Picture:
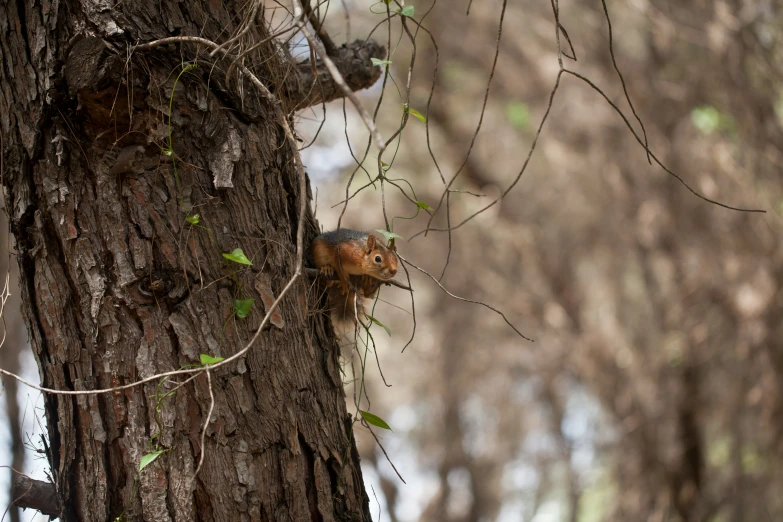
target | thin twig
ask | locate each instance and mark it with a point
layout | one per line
(206, 421)
(652, 155)
(386, 75)
(481, 116)
(336, 74)
(622, 80)
(319, 29)
(501, 314)
(248, 23)
(366, 425)
(413, 309)
(519, 175)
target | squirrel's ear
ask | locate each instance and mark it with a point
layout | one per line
(370, 243)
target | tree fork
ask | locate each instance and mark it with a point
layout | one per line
(103, 161)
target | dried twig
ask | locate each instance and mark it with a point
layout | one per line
(501, 314)
(206, 421)
(247, 24)
(366, 425)
(336, 75)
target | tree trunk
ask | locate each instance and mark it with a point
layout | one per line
(109, 155)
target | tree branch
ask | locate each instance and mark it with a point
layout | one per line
(35, 494)
(353, 61)
(337, 76)
(319, 29)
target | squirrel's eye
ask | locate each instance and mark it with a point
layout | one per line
(378, 259)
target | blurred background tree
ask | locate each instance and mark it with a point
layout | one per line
(653, 390)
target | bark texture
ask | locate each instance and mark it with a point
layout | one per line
(102, 166)
(35, 494)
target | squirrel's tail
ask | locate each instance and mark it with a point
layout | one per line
(345, 308)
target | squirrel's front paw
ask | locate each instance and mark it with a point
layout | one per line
(327, 271)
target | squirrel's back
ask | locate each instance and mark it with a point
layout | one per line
(334, 238)
(341, 235)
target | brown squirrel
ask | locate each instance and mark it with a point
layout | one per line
(353, 253)
(361, 264)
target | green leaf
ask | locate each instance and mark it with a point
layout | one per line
(376, 61)
(424, 205)
(375, 420)
(414, 112)
(167, 152)
(709, 119)
(376, 321)
(388, 235)
(149, 458)
(194, 219)
(237, 256)
(518, 114)
(706, 119)
(242, 307)
(406, 11)
(208, 359)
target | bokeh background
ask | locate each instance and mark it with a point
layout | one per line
(654, 388)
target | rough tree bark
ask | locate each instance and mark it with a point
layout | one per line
(117, 285)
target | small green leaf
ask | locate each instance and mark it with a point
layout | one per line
(376, 61)
(388, 235)
(417, 114)
(424, 205)
(376, 321)
(194, 219)
(208, 359)
(518, 114)
(706, 119)
(406, 11)
(149, 458)
(167, 152)
(709, 119)
(375, 420)
(242, 307)
(237, 256)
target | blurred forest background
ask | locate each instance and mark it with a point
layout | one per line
(654, 389)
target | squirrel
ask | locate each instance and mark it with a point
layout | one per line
(348, 253)
(362, 264)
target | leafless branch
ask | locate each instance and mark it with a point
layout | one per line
(336, 75)
(206, 421)
(29, 493)
(501, 314)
